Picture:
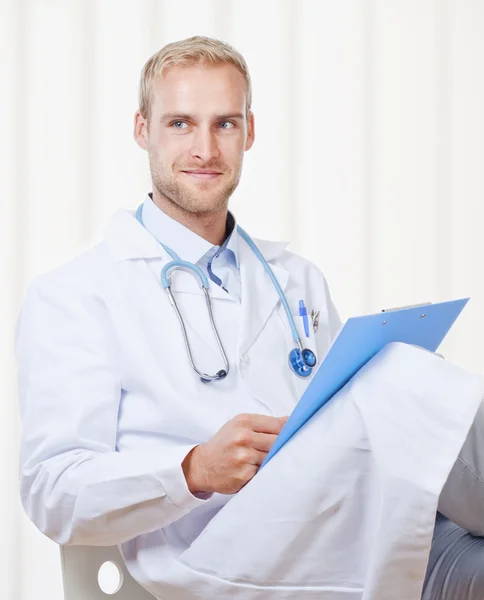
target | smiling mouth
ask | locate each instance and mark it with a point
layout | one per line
(203, 175)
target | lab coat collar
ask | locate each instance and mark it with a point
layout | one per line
(129, 240)
(187, 244)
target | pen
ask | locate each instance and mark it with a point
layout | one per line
(304, 314)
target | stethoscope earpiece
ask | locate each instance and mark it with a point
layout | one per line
(222, 374)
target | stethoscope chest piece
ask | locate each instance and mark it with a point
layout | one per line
(302, 362)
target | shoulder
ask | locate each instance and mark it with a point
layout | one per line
(292, 261)
(84, 276)
(66, 303)
(88, 268)
(299, 267)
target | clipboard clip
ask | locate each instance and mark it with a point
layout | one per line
(404, 307)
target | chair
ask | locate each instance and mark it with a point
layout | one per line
(80, 569)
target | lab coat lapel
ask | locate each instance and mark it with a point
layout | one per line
(259, 296)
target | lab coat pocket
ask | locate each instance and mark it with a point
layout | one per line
(308, 343)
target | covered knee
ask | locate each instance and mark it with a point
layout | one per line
(457, 573)
(469, 569)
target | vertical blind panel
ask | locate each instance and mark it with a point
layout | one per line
(444, 238)
(52, 205)
(328, 207)
(404, 138)
(120, 167)
(467, 72)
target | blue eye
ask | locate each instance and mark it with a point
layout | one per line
(231, 125)
(178, 123)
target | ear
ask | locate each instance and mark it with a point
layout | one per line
(250, 132)
(140, 130)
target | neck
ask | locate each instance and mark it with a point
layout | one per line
(209, 226)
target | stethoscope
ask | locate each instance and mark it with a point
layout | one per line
(301, 360)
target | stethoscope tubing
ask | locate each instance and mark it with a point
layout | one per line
(205, 377)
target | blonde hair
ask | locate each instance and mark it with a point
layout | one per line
(191, 51)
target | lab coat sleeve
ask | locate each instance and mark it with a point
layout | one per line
(75, 485)
(462, 498)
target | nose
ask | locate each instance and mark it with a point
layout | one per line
(205, 145)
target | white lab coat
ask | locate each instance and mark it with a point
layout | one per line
(110, 407)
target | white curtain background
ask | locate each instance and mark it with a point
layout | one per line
(369, 158)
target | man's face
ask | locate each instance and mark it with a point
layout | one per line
(197, 135)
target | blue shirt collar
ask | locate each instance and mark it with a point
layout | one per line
(187, 244)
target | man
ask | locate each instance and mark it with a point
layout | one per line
(124, 444)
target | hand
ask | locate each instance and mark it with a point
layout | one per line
(233, 456)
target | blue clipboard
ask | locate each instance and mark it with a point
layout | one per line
(358, 342)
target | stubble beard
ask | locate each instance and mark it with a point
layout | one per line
(185, 198)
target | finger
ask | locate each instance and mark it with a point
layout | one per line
(262, 423)
(257, 458)
(263, 441)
